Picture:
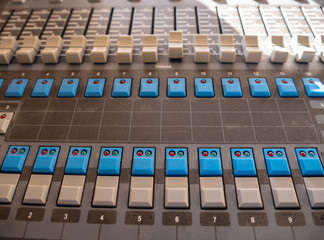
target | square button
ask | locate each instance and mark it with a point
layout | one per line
(122, 87)
(276, 161)
(210, 162)
(259, 87)
(78, 160)
(286, 87)
(46, 160)
(177, 87)
(309, 162)
(69, 87)
(16, 88)
(243, 162)
(204, 87)
(176, 192)
(313, 87)
(143, 162)
(95, 87)
(42, 88)
(105, 194)
(15, 159)
(232, 87)
(149, 87)
(176, 162)
(248, 192)
(109, 162)
(141, 192)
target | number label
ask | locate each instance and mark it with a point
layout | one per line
(30, 215)
(65, 216)
(203, 73)
(139, 218)
(252, 220)
(256, 73)
(229, 73)
(102, 217)
(282, 74)
(214, 219)
(290, 220)
(177, 219)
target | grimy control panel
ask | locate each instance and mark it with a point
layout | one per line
(183, 119)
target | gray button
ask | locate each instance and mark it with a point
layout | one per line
(319, 119)
(141, 192)
(8, 184)
(283, 192)
(37, 189)
(248, 192)
(71, 190)
(106, 190)
(315, 191)
(317, 104)
(176, 192)
(212, 192)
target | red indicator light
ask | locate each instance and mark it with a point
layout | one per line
(230, 81)
(257, 81)
(13, 151)
(171, 153)
(95, 81)
(122, 81)
(106, 152)
(284, 81)
(70, 82)
(75, 152)
(44, 82)
(203, 81)
(176, 81)
(302, 153)
(311, 81)
(149, 81)
(139, 153)
(44, 151)
(19, 82)
(237, 154)
(3, 116)
(270, 153)
(205, 153)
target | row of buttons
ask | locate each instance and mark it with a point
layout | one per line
(149, 87)
(176, 177)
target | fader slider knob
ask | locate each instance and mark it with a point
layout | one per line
(175, 45)
(8, 47)
(125, 49)
(52, 50)
(202, 54)
(276, 49)
(227, 52)
(76, 50)
(99, 52)
(301, 48)
(27, 53)
(252, 51)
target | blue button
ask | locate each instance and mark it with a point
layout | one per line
(259, 87)
(17, 88)
(15, 159)
(313, 87)
(177, 87)
(78, 160)
(309, 162)
(1, 82)
(95, 87)
(109, 162)
(143, 162)
(276, 161)
(176, 162)
(46, 160)
(42, 88)
(69, 87)
(231, 87)
(122, 87)
(210, 162)
(149, 87)
(243, 162)
(286, 87)
(204, 87)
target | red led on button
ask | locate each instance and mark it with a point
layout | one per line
(203, 81)
(270, 153)
(106, 153)
(171, 153)
(95, 82)
(230, 81)
(75, 152)
(205, 153)
(284, 81)
(176, 81)
(139, 153)
(257, 81)
(311, 81)
(237, 154)
(44, 82)
(70, 82)
(44, 151)
(149, 81)
(3, 116)
(13, 151)
(302, 153)
(122, 81)
(19, 82)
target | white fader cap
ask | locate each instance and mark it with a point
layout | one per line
(99, 52)
(150, 49)
(202, 54)
(76, 50)
(276, 49)
(125, 49)
(175, 45)
(52, 50)
(251, 49)
(28, 51)
(8, 47)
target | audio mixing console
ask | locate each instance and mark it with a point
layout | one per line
(182, 119)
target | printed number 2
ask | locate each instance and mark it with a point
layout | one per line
(30, 214)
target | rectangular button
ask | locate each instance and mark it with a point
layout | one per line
(17, 88)
(286, 87)
(37, 189)
(276, 162)
(176, 87)
(210, 162)
(8, 184)
(110, 160)
(46, 160)
(95, 87)
(71, 190)
(42, 88)
(309, 162)
(122, 87)
(248, 192)
(176, 162)
(315, 191)
(232, 87)
(243, 162)
(68, 87)
(5, 119)
(78, 160)
(106, 190)
(143, 162)
(212, 192)
(15, 159)
(176, 192)
(141, 192)
(283, 192)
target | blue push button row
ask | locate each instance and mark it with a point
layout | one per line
(210, 162)
(276, 162)
(143, 162)
(176, 162)
(309, 162)
(78, 159)
(243, 162)
(15, 159)
(109, 161)
(46, 160)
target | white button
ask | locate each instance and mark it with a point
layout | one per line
(106, 190)
(248, 192)
(252, 52)
(141, 192)
(52, 50)
(5, 119)
(202, 54)
(99, 52)
(226, 48)
(37, 189)
(212, 192)
(28, 51)
(150, 49)
(71, 190)
(8, 184)
(300, 46)
(283, 192)
(175, 45)
(76, 49)
(315, 191)
(276, 49)
(125, 49)
(176, 192)
(8, 47)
